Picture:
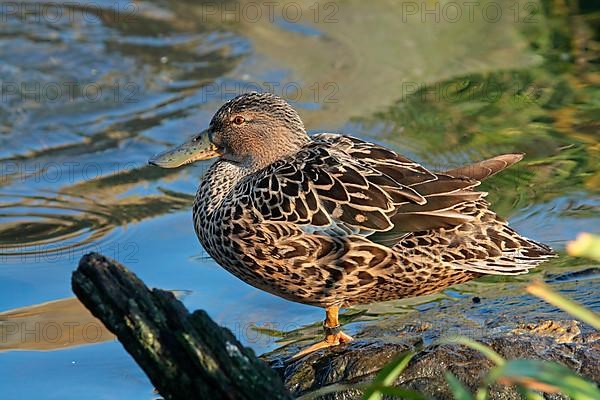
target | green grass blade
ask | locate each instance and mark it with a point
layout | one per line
(481, 394)
(527, 394)
(547, 377)
(486, 350)
(323, 391)
(457, 388)
(387, 376)
(400, 393)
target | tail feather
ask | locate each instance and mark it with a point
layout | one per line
(484, 245)
(517, 254)
(486, 168)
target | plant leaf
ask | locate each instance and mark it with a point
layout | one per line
(458, 390)
(387, 376)
(586, 245)
(544, 376)
(486, 350)
(399, 392)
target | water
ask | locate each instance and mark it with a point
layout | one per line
(91, 90)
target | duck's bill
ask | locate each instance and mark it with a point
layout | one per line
(196, 149)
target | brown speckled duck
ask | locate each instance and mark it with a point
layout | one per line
(332, 221)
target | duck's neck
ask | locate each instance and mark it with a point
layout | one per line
(216, 184)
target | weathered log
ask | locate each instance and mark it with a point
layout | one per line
(186, 356)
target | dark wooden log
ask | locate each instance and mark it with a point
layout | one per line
(186, 356)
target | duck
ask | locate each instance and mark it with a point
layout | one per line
(335, 221)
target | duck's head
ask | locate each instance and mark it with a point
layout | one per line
(253, 130)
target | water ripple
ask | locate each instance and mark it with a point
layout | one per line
(52, 225)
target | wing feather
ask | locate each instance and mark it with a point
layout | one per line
(343, 185)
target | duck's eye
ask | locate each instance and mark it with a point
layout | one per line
(239, 120)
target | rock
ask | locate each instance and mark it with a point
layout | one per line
(358, 362)
(561, 331)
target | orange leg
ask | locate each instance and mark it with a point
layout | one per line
(333, 333)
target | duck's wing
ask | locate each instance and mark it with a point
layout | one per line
(345, 186)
